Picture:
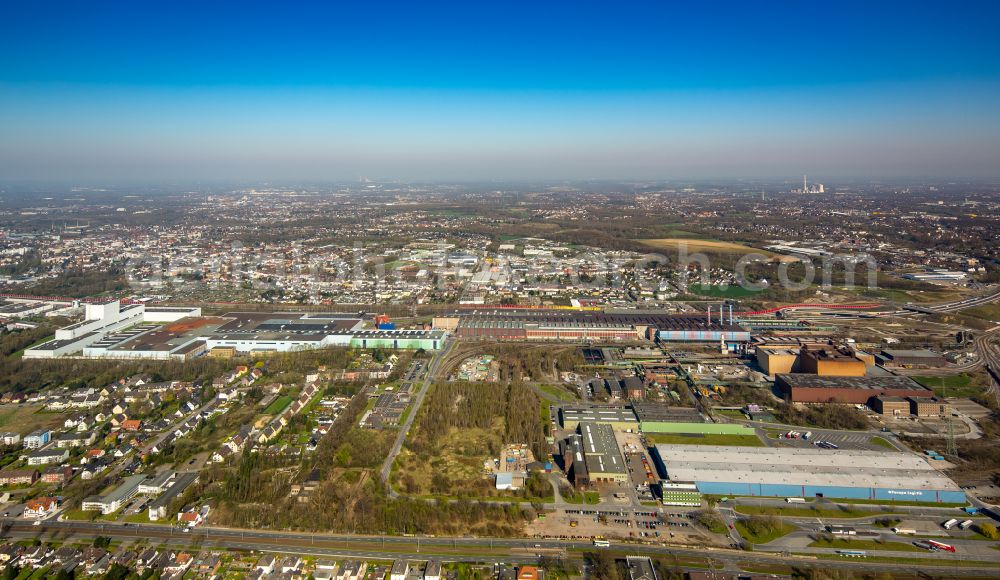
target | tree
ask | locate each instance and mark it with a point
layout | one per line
(116, 572)
(989, 530)
(602, 565)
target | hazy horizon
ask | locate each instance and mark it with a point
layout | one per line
(127, 92)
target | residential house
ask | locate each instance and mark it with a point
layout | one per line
(266, 564)
(400, 570)
(47, 456)
(57, 474)
(92, 454)
(9, 552)
(75, 439)
(206, 566)
(290, 565)
(327, 567)
(33, 556)
(352, 570)
(433, 570)
(9, 438)
(125, 558)
(18, 476)
(94, 467)
(100, 566)
(190, 518)
(145, 558)
(180, 563)
(37, 439)
(62, 555)
(40, 507)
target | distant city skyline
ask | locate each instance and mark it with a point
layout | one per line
(134, 91)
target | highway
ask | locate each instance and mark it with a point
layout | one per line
(989, 353)
(957, 305)
(447, 548)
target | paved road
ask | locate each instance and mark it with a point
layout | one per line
(944, 512)
(404, 429)
(957, 305)
(989, 353)
(452, 549)
(966, 549)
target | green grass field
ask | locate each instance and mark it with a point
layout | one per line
(278, 405)
(142, 518)
(80, 515)
(781, 529)
(808, 512)
(962, 385)
(587, 497)
(882, 443)
(40, 341)
(677, 439)
(557, 393)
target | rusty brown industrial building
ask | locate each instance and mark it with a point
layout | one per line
(803, 388)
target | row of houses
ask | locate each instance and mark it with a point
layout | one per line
(274, 427)
(241, 376)
(97, 561)
(271, 566)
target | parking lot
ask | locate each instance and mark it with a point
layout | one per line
(649, 525)
(843, 440)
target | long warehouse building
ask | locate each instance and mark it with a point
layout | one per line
(813, 472)
(114, 332)
(804, 388)
(542, 324)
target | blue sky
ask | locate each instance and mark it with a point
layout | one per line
(176, 90)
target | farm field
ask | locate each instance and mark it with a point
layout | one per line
(711, 247)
